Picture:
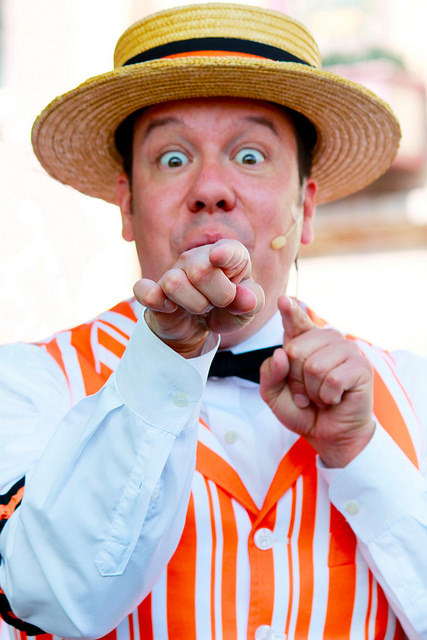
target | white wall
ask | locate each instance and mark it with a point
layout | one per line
(62, 259)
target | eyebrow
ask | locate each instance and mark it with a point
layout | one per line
(160, 122)
(266, 122)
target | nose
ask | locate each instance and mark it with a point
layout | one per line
(211, 189)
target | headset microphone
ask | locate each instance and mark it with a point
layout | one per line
(279, 241)
(297, 212)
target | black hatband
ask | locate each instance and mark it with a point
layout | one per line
(215, 44)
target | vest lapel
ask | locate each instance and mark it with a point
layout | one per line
(299, 457)
(213, 463)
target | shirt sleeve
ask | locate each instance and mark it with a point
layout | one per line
(104, 507)
(384, 499)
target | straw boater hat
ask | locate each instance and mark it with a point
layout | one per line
(217, 50)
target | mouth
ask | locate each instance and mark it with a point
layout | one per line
(202, 238)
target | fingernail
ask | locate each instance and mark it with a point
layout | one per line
(301, 400)
(168, 305)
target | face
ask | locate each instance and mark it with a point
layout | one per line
(209, 169)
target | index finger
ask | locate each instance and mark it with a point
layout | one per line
(294, 318)
(232, 257)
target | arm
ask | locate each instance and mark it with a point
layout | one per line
(384, 499)
(104, 507)
(320, 386)
(90, 523)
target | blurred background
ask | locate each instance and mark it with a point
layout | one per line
(62, 259)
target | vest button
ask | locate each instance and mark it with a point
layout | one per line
(263, 539)
(263, 632)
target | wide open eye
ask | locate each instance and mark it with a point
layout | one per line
(249, 156)
(173, 159)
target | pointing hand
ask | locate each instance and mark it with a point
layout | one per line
(208, 290)
(320, 386)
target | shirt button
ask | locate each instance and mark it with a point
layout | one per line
(230, 437)
(263, 539)
(263, 632)
(180, 399)
(352, 507)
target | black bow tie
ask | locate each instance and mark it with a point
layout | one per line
(244, 365)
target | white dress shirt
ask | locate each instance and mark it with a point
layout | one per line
(126, 456)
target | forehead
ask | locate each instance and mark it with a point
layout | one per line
(230, 113)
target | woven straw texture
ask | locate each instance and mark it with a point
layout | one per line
(358, 135)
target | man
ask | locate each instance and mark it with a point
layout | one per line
(299, 515)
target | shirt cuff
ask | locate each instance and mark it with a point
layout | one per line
(202, 363)
(157, 384)
(375, 489)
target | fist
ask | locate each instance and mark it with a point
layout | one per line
(208, 290)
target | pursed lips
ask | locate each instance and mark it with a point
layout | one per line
(207, 237)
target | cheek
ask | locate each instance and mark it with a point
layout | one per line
(275, 220)
(272, 218)
(152, 230)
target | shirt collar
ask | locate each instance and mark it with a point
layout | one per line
(270, 334)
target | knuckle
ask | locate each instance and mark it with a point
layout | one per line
(314, 373)
(244, 252)
(369, 368)
(333, 380)
(313, 367)
(172, 281)
(334, 334)
(293, 351)
(198, 273)
(150, 298)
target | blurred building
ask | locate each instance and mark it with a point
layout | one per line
(61, 256)
(380, 44)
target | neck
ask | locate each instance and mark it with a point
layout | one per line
(233, 338)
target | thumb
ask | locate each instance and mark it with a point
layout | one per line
(273, 374)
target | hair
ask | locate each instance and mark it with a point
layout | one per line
(305, 133)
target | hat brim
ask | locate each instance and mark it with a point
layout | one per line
(358, 134)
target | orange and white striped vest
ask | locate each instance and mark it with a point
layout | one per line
(293, 564)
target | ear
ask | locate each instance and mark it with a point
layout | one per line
(124, 200)
(309, 208)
